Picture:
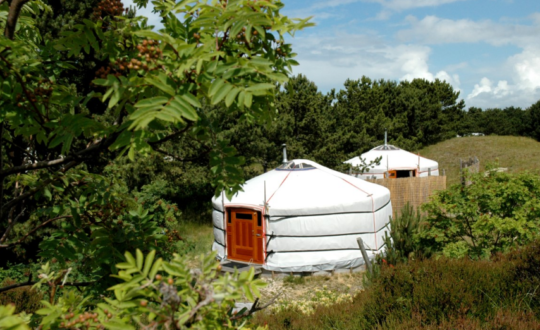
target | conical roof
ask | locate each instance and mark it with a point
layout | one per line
(393, 158)
(303, 187)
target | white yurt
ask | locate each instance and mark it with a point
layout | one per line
(398, 163)
(301, 217)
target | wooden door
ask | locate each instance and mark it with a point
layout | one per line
(244, 235)
(392, 174)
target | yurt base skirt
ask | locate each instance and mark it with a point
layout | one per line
(344, 261)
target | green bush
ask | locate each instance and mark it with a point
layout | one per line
(435, 293)
(496, 212)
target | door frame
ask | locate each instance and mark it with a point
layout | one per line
(260, 242)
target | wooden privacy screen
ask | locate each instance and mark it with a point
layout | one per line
(414, 190)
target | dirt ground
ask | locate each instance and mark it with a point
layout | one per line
(309, 288)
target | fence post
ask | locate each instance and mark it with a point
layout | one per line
(429, 171)
(364, 254)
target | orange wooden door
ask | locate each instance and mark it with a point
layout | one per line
(392, 174)
(244, 235)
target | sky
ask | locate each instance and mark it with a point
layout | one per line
(488, 50)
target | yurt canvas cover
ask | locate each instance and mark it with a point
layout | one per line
(398, 162)
(311, 221)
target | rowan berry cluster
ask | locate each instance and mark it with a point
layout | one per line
(83, 320)
(103, 72)
(174, 236)
(43, 91)
(149, 52)
(108, 8)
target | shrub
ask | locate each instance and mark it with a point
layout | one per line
(496, 212)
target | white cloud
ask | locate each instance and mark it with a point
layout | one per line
(400, 5)
(331, 60)
(389, 6)
(523, 91)
(436, 30)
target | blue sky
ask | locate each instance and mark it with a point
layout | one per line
(489, 50)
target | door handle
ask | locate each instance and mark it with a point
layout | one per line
(258, 235)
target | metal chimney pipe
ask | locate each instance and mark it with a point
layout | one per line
(385, 137)
(285, 161)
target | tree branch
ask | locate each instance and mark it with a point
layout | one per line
(34, 190)
(18, 285)
(21, 240)
(163, 152)
(13, 16)
(172, 136)
(10, 226)
(97, 146)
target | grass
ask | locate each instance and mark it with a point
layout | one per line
(515, 153)
(197, 239)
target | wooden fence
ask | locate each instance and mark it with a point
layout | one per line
(415, 190)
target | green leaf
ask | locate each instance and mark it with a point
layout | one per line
(260, 87)
(161, 82)
(148, 262)
(191, 99)
(152, 102)
(183, 109)
(216, 86)
(139, 259)
(248, 99)
(225, 88)
(117, 324)
(231, 96)
(155, 269)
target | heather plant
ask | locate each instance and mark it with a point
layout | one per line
(495, 212)
(435, 293)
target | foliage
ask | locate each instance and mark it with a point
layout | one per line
(157, 294)
(434, 294)
(495, 212)
(402, 243)
(10, 321)
(136, 91)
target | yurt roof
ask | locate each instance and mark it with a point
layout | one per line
(303, 187)
(393, 158)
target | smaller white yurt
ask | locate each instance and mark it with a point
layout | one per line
(301, 217)
(397, 162)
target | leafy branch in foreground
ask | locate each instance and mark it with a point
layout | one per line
(156, 294)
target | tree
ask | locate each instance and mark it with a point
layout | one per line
(152, 86)
(534, 120)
